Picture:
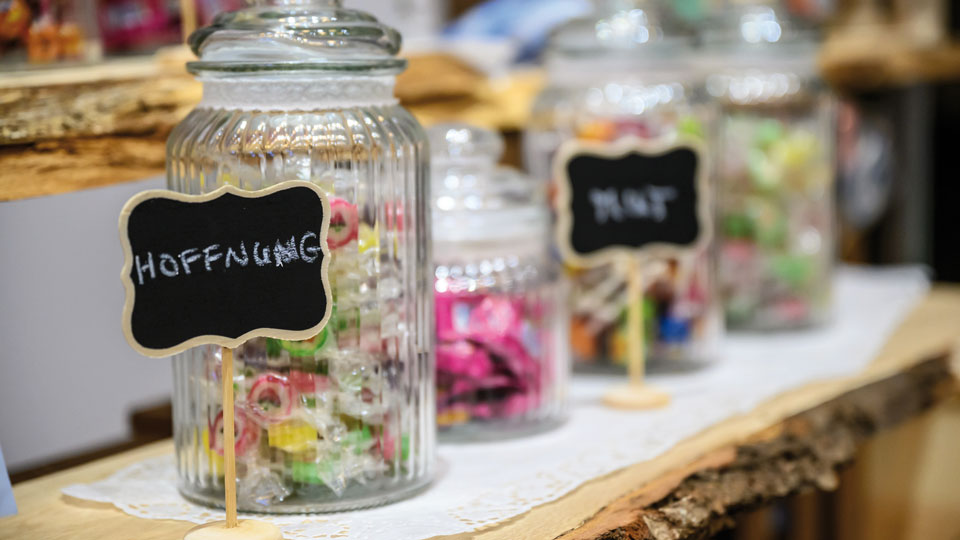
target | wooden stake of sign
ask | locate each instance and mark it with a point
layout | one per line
(187, 262)
(229, 438)
(636, 394)
(623, 202)
(231, 528)
(188, 18)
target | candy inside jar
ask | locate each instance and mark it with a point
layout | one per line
(501, 360)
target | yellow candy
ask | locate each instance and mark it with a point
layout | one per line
(452, 417)
(598, 131)
(367, 238)
(291, 436)
(214, 460)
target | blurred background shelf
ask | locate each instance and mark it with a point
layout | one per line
(872, 66)
(89, 126)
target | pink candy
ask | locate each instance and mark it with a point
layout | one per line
(486, 366)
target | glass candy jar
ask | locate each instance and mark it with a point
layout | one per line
(775, 170)
(303, 90)
(624, 72)
(502, 361)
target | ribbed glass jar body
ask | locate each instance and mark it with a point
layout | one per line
(606, 101)
(346, 419)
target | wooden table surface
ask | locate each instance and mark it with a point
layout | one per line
(795, 440)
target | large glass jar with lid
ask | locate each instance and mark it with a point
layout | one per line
(502, 361)
(774, 167)
(303, 90)
(625, 72)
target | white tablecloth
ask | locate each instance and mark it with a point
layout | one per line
(482, 484)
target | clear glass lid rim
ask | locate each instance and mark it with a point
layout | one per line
(359, 67)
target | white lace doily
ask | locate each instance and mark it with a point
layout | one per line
(482, 484)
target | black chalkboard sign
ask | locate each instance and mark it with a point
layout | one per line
(224, 267)
(629, 198)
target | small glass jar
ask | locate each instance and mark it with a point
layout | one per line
(775, 170)
(303, 90)
(626, 71)
(502, 360)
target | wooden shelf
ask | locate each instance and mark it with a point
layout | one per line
(87, 126)
(81, 127)
(873, 58)
(795, 441)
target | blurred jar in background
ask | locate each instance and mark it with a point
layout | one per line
(502, 360)
(775, 169)
(48, 31)
(626, 71)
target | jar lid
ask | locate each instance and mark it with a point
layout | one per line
(474, 199)
(757, 33)
(635, 29)
(295, 35)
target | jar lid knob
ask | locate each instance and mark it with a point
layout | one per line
(331, 3)
(459, 141)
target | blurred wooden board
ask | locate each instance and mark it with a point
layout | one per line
(794, 441)
(873, 58)
(81, 127)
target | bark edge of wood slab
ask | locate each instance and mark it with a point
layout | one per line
(804, 452)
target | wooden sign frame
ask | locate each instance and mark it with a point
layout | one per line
(620, 149)
(222, 341)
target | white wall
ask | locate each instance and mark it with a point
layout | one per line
(68, 379)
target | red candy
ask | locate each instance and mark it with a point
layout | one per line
(247, 433)
(308, 383)
(271, 398)
(344, 223)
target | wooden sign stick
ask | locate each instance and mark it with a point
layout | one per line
(188, 18)
(636, 395)
(635, 355)
(229, 454)
(231, 529)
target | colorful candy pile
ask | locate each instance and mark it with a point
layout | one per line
(314, 417)
(493, 357)
(775, 223)
(679, 321)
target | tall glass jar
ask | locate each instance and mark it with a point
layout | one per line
(626, 71)
(303, 90)
(774, 167)
(502, 361)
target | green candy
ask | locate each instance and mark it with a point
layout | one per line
(358, 440)
(649, 319)
(737, 226)
(793, 270)
(767, 133)
(404, 447)
(310, 472)
(689, 125)
(766, 176)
